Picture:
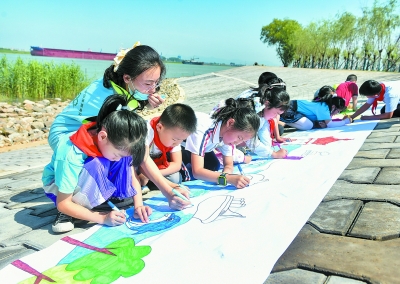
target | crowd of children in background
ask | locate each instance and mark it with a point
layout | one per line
(105, 152)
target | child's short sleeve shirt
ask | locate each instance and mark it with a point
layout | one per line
(206, 137)
(65, 166)
(314, 111)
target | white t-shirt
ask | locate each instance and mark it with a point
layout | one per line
(154, 151)
(206, 138)
(391, 97)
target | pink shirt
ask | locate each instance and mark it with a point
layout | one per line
(347, 90)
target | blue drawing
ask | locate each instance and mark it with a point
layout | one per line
(170, 221)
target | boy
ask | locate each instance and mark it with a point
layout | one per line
(388, 92)
(349, 90)
(164, 137)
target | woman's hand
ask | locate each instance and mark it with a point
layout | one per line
(155, 100)
(143, 212)
(238, 181)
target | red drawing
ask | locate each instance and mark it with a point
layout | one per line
(81, 244)
(27, 268)
(327, 140)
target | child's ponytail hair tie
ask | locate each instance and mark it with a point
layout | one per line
(121, 107)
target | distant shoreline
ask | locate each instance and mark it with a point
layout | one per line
(8, 50)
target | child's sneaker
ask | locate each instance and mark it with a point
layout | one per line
(63, 223)
(145, 189)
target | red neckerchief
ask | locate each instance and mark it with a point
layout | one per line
(85, 142)
(161, 162)
(271, 128)
(380, 98)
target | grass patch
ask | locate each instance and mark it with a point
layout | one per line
(39, 80)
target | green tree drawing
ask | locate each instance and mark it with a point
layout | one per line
(105, 268)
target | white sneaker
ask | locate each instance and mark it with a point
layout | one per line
(145, 189)
(63, 223)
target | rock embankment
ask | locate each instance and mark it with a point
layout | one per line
(29, 121)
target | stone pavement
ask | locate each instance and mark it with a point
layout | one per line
(352, 237)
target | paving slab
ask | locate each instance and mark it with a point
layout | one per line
(378, 134)
(342, 280)
(373, 154)
(390, 124)
(296, 276)
(359, 259)
(335, 217)
(372, 146)
(9, 196)
(361, 163)
(9, 254)
(394, 154)
(360, 175)
(378, 221)
(382, 139)
(366, 192)
(388, 176)
(19, 221)
(43, 237)
(25, 159)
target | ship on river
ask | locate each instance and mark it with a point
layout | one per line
(192, 61)
(66, 53)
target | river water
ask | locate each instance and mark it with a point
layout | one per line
(94, 69)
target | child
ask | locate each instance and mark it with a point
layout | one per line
(323, 91)
(388, 92)
(164, 137)
(305, 115)
(273, 102)
(349, 90)
(94, 164)
(229, 126)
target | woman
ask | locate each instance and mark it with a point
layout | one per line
(135, 73)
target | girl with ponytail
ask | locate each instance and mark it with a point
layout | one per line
(227, 127)
(95, 164)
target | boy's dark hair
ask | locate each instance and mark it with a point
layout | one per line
(126, 130)
(352, 78)
(179, 115)
(246, 119)
(323, 93)
(370, 88)
(136, 61)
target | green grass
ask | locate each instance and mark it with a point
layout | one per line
(35, 80)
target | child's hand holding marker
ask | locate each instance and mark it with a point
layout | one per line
(240, 181)
(115, 217)
(180, 197)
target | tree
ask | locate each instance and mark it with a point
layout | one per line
(281, 34)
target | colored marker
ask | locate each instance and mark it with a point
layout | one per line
(115, 208)
(163, 97)
(177, 193)
(240, 169)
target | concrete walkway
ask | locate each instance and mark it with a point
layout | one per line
(352, 237)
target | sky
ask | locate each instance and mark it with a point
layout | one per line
(220, 31)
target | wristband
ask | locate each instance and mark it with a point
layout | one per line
(222, 179)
